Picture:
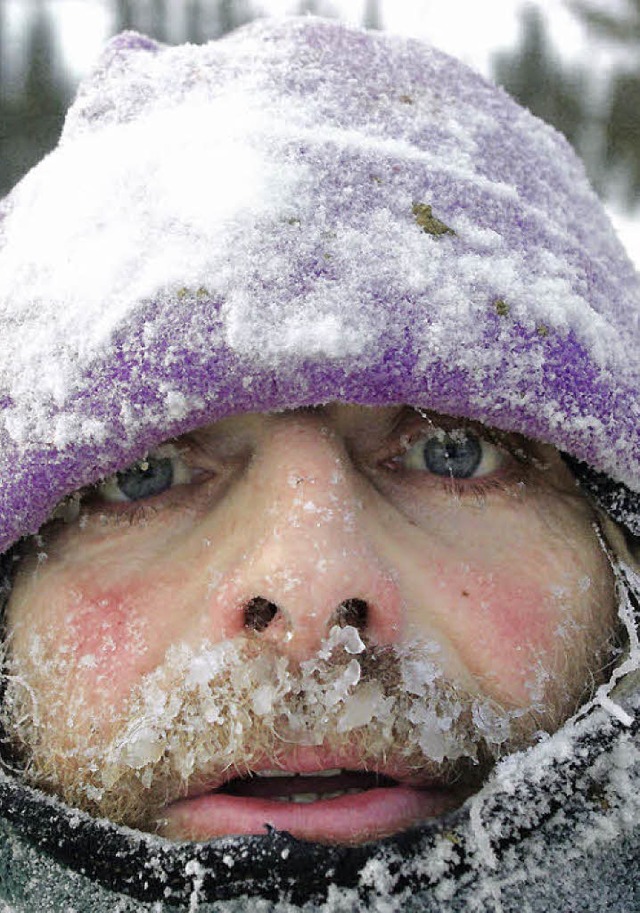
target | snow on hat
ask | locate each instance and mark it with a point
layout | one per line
(298, 213)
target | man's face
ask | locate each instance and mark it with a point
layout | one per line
(331, 621)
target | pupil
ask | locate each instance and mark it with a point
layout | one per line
(457, 457)
(156, 477)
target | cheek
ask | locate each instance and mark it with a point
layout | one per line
(508, 626)
(107, 632)
(502, 624)
(98, 637)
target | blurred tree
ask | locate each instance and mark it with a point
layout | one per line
(316, 8)
(622, 118)
(32, 110)
(604, 126)
(160, 20)
(623, 27)
(194, 20)
(203, 19)
(2, 55)
(231, 14)
(372, 18)
(534, 75)
(125, 18)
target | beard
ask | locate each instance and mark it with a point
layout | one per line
(236, 707)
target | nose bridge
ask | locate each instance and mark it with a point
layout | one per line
(310, 485)
(310, 561)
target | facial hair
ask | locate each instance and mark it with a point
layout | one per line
(231, 708)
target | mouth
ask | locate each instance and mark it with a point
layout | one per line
(310, 800)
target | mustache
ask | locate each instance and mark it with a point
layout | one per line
(230, 708)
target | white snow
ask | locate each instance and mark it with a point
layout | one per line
(173, 183)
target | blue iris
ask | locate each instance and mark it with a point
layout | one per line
(456, 457)
(147, 478)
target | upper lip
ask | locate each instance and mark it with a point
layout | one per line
(309, 760)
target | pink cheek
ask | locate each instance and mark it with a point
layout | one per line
(107, 634)
(506, 630)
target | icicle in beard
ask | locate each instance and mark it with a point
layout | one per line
(205, 718)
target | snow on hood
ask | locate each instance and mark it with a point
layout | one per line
(298, 213)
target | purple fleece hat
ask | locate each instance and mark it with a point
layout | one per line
(297, 213)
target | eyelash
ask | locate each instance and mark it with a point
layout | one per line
(119, 513)
(404, 436)
(129, 513)
(478, 488)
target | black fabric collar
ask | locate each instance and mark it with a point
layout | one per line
(615, 498)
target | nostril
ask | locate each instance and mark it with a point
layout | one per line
(259, 613)
(352, 612)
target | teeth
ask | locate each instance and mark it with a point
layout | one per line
(274, 773)
(333, 772)
(306, 798)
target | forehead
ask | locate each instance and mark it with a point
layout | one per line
(343, 418)
(354, 422)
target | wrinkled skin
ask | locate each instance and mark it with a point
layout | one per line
(491, 558)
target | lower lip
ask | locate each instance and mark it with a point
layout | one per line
(350, 819)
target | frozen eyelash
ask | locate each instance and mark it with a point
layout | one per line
(132, 513)
(514, 444)
(68, 509)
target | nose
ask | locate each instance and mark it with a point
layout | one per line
(300, 550)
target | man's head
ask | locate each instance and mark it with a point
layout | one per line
(246, 586)
(368, 591)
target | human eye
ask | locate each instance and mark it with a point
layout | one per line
(159, 471)
(458, 453)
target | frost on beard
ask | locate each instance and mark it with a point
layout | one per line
(239, 705)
